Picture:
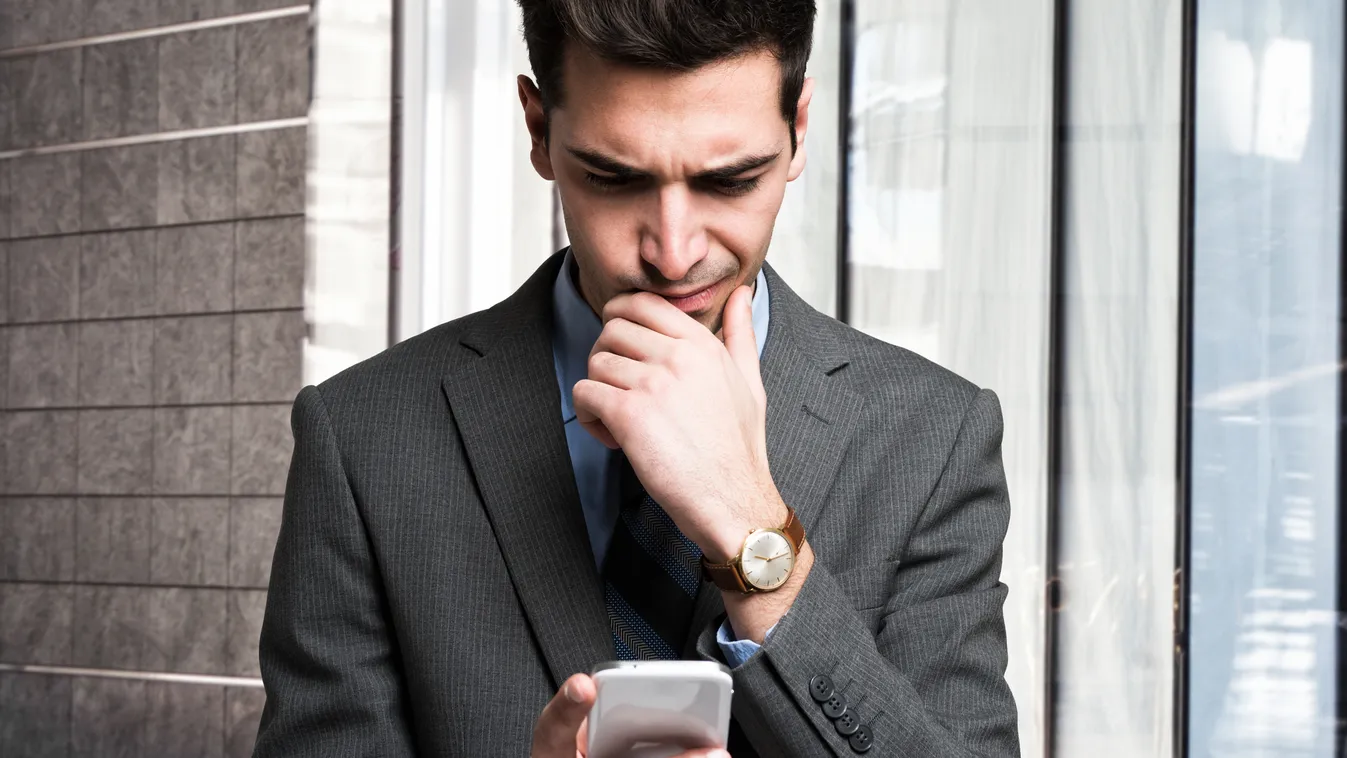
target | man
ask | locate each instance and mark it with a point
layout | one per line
(654, 449)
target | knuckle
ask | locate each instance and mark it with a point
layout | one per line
(683, 355)
(652, 382)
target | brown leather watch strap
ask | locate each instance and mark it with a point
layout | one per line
(730, 575)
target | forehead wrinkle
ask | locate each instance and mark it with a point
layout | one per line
(675, 124)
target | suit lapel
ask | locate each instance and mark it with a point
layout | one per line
(504, 397)
(810, 418)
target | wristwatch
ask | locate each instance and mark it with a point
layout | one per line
(765, 561)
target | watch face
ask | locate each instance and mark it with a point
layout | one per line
(767, 559)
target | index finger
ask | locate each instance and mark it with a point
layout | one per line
(653, 312)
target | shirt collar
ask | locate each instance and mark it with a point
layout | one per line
(577, 328)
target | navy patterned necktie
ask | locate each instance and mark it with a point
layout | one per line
(651, 574)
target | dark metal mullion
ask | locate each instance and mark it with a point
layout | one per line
(1184, 417)
(1061, 59)
(846, 44)
(396, 114)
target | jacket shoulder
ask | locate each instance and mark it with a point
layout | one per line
(399, 373)
(882, 370)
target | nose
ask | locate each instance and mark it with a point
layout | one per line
(673, 241)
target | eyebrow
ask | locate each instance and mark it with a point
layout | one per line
(619, 169)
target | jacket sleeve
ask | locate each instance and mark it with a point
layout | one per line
(328, 657)
(930, 681)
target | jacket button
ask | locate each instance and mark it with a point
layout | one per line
(847, 724)
(835, 706)
(821, 688)
(862, 739)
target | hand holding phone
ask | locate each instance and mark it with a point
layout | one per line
(562, 729)
(659, 709)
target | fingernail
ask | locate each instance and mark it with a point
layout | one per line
(719, 754)
(573, 695)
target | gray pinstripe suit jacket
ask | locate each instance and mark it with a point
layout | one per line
(433, 580)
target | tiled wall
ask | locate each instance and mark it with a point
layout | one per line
(150, 338)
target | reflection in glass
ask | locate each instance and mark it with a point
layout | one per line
(804, 242)
(1265, 412)
(949, 219)
(1114, 629)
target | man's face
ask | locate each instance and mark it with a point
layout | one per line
(670, 182)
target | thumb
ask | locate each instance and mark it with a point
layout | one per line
(738, 331)
(554, 736)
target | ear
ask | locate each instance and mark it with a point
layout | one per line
(801, 126)
(536, 121)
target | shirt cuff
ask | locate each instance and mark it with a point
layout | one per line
(737, 651)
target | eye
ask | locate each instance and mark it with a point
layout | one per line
(607, 182)
(735, 187)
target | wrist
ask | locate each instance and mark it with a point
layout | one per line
(752, 615)
(764, 511)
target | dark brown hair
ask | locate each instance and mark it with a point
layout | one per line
(680, 35)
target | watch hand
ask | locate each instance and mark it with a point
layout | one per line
(780, 555)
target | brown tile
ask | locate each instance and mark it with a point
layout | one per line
(115, 362)
(120, 187)
(186, 630)
(243, 714)
(43, 366)
(35, 623)
(262, 447)
(192, 451)
(121, 83)
(110, 627)
(37, 539)
(184, 720)
(197, 79)
(40, 451)
(108, 718)
(189, 542)
(195, 269)
(111, 16)
(178, 11)
(196, 180)
(246, 608)
(191, 359)
(268, 356)
(116, 452)
(112, 540)
(36, 716)
(273, 69)
(271, 167)
(44, 279)
(37, 22)
(254, 524)
(44, 194)
(6, 208)
(269, 264)
(46, 97)
(116, 274)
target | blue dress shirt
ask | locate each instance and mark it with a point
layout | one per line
(577, 328)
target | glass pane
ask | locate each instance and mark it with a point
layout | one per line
(1265, 425)
(476, 217)
(349, 174)
(950, 240)
(1119, 400)
(804, 243)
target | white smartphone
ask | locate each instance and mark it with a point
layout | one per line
(657, 709)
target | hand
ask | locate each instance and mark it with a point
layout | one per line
(561, 729)
(689, 412)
